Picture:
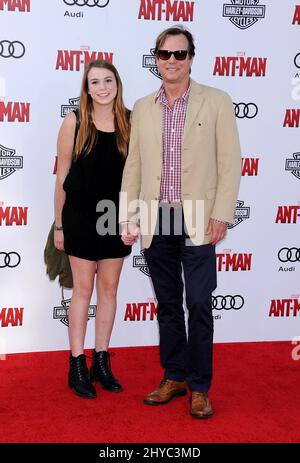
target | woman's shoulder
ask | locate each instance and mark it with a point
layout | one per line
(68, 126)
(70, 120)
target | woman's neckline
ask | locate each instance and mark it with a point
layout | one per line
(103, 131)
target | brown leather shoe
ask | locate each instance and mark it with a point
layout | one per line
(165, 392)
(200, 405)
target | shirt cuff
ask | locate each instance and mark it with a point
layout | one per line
(128, 221)
(221, 221)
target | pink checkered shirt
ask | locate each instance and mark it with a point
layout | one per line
(173, 126)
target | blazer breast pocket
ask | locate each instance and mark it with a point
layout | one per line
(201, 130)
(203, 125)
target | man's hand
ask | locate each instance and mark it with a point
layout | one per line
(130, 233)
(217, 229)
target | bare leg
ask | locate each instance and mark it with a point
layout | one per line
(83, 272)
(108, 275)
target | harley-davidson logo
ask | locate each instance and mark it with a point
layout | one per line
(244, 13)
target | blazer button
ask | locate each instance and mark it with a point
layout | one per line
(158, 177)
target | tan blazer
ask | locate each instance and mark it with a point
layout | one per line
(210, 165)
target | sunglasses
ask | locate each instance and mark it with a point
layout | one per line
(179, 55)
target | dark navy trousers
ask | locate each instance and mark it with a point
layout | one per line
(185, 354)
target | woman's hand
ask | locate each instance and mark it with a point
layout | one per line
(59, 240)
(130, 233)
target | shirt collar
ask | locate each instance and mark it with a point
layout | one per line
(162, 98)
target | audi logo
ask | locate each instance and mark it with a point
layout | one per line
(245, 110)
(13, 49)
(227, 302)
(297, 60)
(9, 259)
(289, 255)
(99, 3)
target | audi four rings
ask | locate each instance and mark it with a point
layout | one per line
(245, 110)
(227, 302)
(9, 259)
(13, 49)
(99, 3)
(289, 255)
(297, 60)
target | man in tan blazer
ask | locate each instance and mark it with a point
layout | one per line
(179, 190)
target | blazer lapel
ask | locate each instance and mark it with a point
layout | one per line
(157, 123)
(195, 102)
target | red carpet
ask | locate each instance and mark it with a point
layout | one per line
(255, 395)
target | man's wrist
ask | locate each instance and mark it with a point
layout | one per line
(128, 221)
(220, 221)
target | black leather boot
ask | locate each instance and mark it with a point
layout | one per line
(101, 371)
(79, 377)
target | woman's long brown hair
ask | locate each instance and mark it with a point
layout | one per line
(87, 132)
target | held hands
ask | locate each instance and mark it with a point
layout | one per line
(130, 233)
(59, 240)
(217, 229)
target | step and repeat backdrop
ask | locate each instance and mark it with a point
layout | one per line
(249, 48)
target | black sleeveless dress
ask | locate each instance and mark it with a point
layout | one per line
(93, 178)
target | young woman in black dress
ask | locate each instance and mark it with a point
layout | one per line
(92, 147)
